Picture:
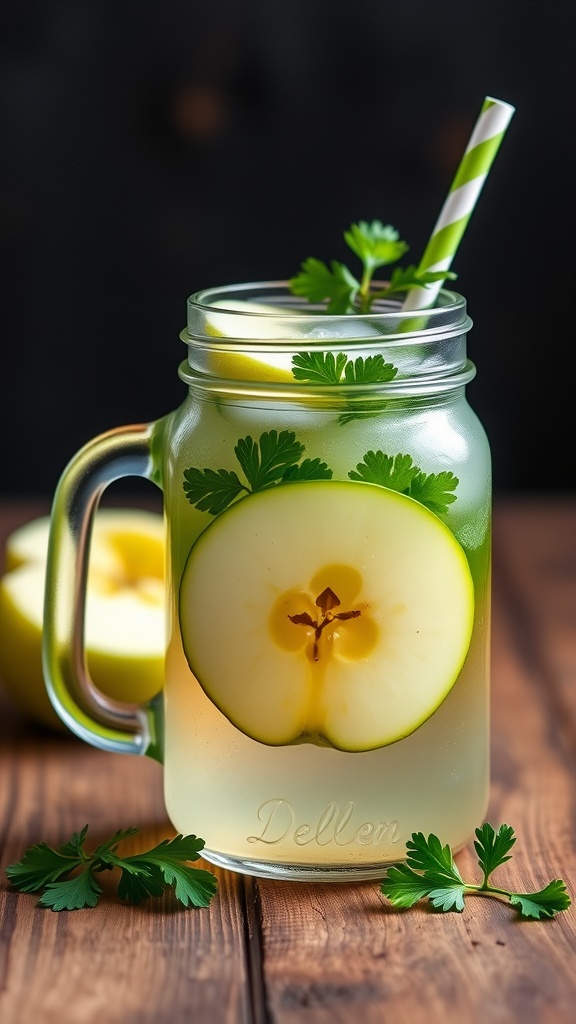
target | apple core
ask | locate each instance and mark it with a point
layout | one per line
(328, 628)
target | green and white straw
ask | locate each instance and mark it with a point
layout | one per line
(470, 177)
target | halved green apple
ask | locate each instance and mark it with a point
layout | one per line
(331, 612)
(125, 610)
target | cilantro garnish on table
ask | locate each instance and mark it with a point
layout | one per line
(376, 245)
(430, 873)
(68, 873)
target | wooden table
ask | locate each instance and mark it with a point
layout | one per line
(280, 953)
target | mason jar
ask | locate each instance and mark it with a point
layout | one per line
(327, 506)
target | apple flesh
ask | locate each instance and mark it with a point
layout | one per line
(125, 606)
(330, 612)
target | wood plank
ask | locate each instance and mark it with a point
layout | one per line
(536, 544)
(327, 953)
(156, 963)
(342, 954)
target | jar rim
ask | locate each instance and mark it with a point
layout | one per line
(402, 388)
(295, 319)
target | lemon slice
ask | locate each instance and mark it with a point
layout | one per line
(330, 612)
(263, 366)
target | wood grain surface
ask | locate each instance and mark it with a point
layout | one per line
(279, 953)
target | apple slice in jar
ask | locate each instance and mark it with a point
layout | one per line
(336, 613)
(259, 323)
(271, 324)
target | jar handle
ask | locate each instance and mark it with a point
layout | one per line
(94, 717)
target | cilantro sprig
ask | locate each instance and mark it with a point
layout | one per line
(376, 245)
(430, 873)
(67, 874)
(327, 368)
(273, 459)
(399, 473)
(276, 458)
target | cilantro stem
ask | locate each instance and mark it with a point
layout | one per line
(364, 293)
(376, 245)
(488, 890)
(430, 872)
(382, 293)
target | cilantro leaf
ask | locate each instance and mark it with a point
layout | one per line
(192, 886)
(42, 865)
(72, 893)
(433, 490)
(403, 279)
(273, 459)
(449, 898)
(393, 471)
(265, 461)
(212, 490)
(320, 367)
(142, 875)
(74, 845)
(327, 368)
(399, 473)
(317, 281)
(139, 883)
(39, 866)
(105, 851)
(177, 849)
(309, 469)
(439, 879)
(430, 872)
(372, 370)
(492, 847)
(435, 860)
(544, 903)
(403, 886)
(376, 244)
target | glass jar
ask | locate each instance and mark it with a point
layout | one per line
(327, 503)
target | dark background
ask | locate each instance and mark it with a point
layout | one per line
(152, 148)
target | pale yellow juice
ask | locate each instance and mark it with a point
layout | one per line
(327, 503)
(307, 805)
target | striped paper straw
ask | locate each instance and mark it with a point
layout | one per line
(467, 185)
